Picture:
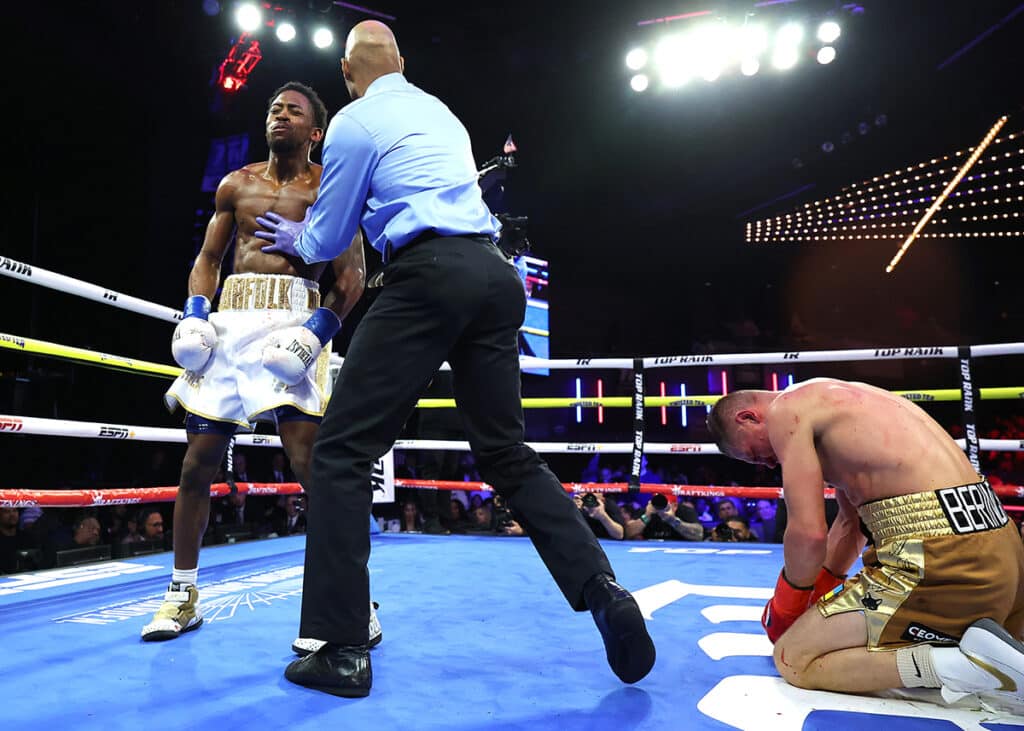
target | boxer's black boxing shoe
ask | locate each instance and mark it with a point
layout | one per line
(342, 670)
(629, 648)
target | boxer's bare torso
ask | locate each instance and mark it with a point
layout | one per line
(870, 443)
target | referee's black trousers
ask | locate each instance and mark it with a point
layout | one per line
(446, 298)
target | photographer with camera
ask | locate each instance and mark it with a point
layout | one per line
(733, 530)
(603, 516)
(666, 521)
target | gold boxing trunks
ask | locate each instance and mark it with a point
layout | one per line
(940, 561)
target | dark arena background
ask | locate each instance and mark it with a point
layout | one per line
(702, 179)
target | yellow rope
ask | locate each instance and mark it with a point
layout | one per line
(120, 363)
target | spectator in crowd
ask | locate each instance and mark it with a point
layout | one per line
(151, 525)
(131, 532)
(279, 469)
(114, 521)
(603, 516)
(649, 476)
(240, 466)
(12, 540)
(725, 509)
(411, 520)
(234, 510)
(665, 520)
(291, 517)
(763, 524)
(458, 518)
(733, 530)
(480, 517)
(85, 531)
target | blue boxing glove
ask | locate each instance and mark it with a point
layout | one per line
(283, 232)
(290, 352)
(194, 338)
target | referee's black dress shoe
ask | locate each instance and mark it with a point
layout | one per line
(342, 670)
(629, 648)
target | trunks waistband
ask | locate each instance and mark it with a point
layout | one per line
(268, 292)
(949, 511)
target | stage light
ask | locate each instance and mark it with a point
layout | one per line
(749, 66)
(248, 17)
(751, 41)
(672, 60)
(323, 38)
(636, 59)
(789, 35)
(285, 32)
(640, 82)
(784, 57)
(711, 72)
(828, 31)
(826, 55)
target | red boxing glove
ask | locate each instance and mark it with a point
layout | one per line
(826, 582)
(788, 603)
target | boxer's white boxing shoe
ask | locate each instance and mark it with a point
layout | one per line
(994, 664)
(303, 646)
(178, 614)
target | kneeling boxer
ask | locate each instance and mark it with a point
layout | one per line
(940, 601)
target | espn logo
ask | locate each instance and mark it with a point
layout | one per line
(113, 432)
(972, 508)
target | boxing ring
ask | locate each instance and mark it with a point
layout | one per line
(486, 642)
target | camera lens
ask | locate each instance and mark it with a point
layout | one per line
(660, 502)
(590, 500)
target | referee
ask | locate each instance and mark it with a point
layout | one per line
(397, 161)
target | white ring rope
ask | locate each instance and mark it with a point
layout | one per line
(97, 430)
(43, 277)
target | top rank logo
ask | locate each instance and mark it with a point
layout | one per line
(17, 342)
(11, 424)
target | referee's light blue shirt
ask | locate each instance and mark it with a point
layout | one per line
(399, 162)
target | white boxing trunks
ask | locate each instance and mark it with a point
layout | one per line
(234, 386)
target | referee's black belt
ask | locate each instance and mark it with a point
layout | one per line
(390, 253)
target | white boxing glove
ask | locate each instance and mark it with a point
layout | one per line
(289, 353)
(194, 338)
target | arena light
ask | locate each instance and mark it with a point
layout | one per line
(749, 66)
(671, 58)
(789, 35)
(785, 57)
(828, 31)
(636, 59)
(640, 82)
(939, 200)
(751, 41)
(248, 17)
(323, 38)
(285, 32)
(827, 55)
